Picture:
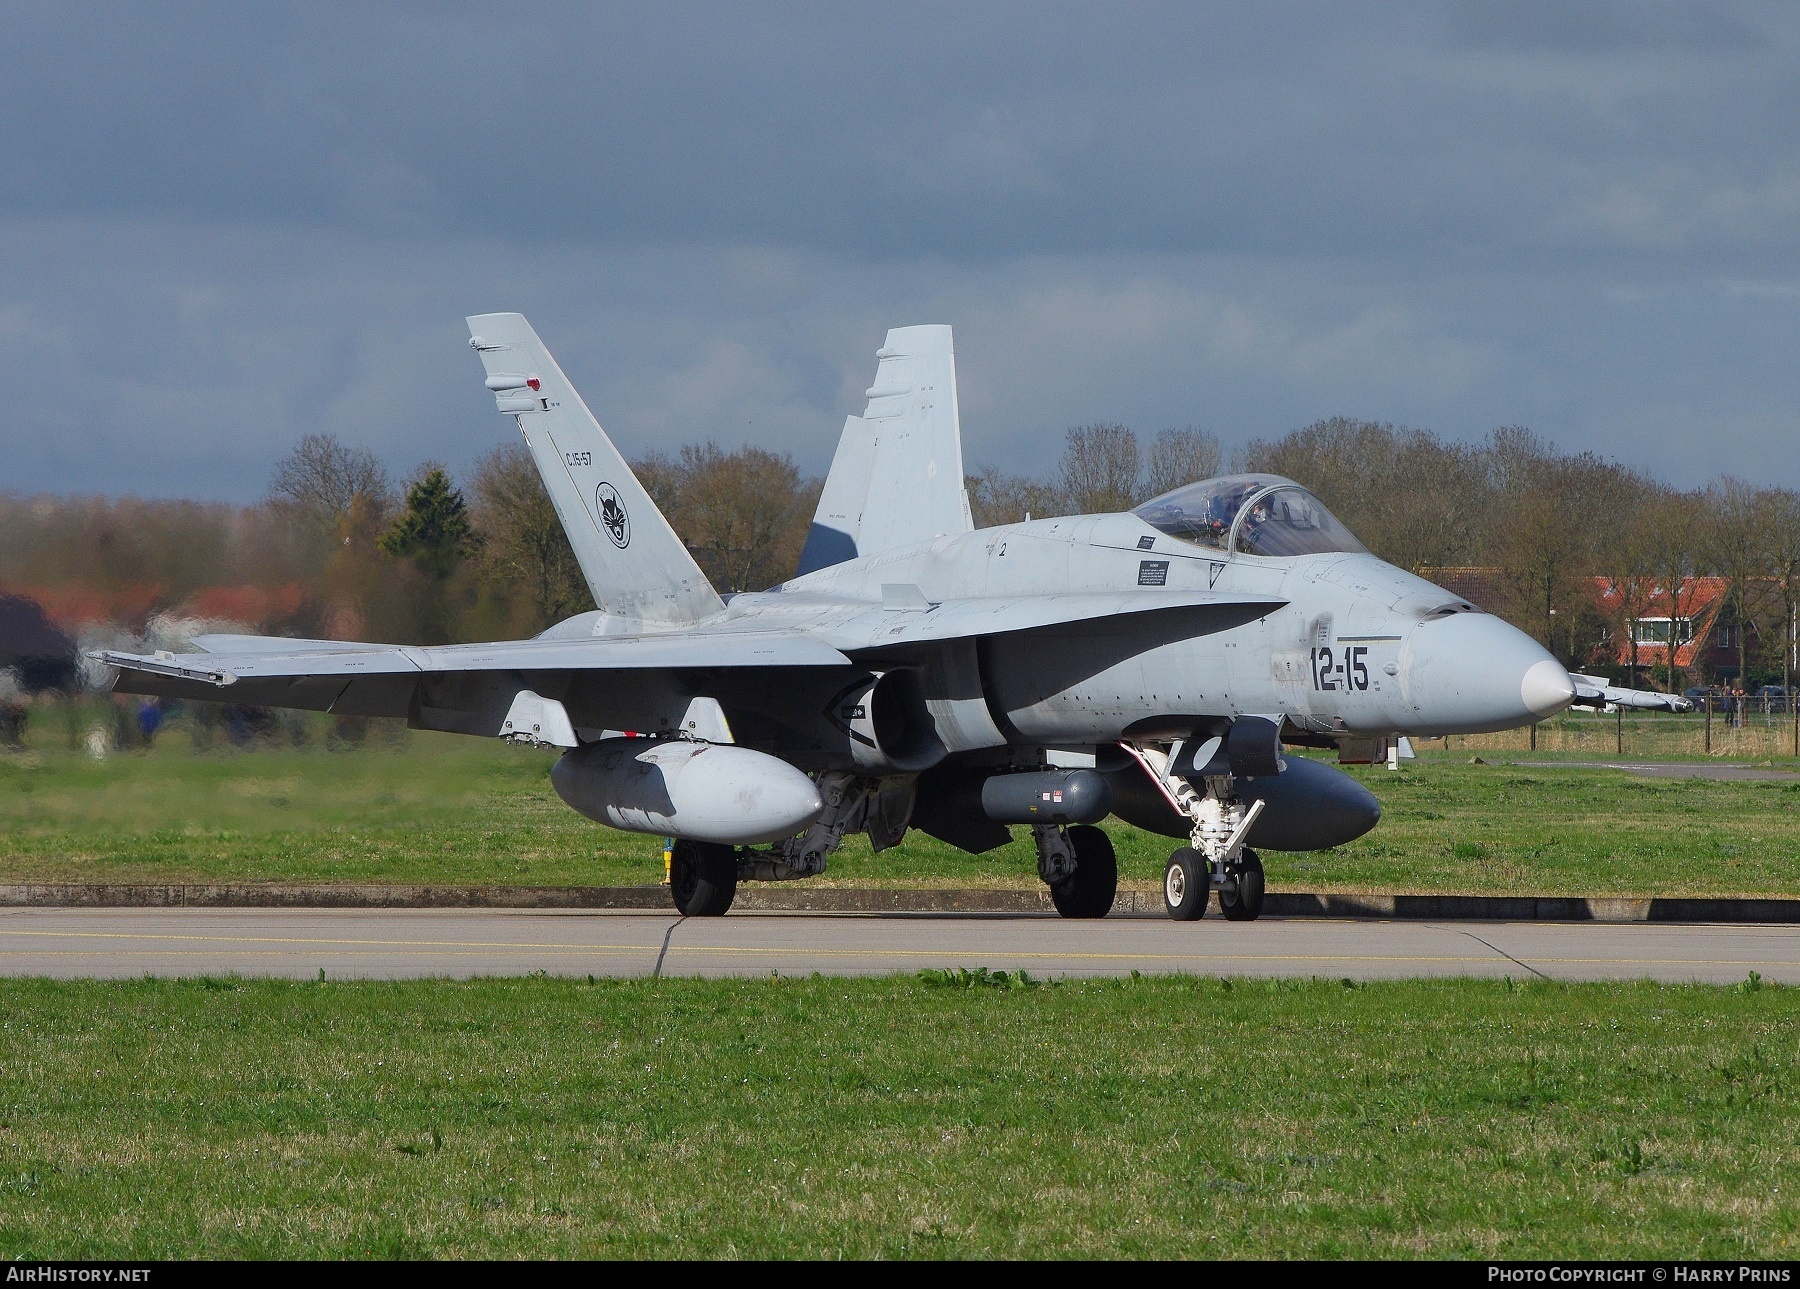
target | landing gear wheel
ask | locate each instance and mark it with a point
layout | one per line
(1088, 891)
(1243, 902)
(702, 878)
(1187, 883)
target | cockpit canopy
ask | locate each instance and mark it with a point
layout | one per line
(1255, 514)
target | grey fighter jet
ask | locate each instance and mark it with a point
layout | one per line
(917, 672)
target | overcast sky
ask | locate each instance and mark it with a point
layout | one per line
(223, 227)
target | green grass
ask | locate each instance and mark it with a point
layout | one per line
(446, 810)
(1545, 828)
(437, 809)
(1644, 735)
(895, 1117)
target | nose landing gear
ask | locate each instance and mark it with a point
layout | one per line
(1216, 855)
(1241, 893)
(1189, 878)
(1187, 885)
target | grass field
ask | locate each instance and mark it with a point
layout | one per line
(897, 1118)
(1756, 733)
(447, 810)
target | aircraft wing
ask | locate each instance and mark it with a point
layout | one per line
(275, 644)
(907, 618)
(227, 661)
(478, 688)
(1595, 691)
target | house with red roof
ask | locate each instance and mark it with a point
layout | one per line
(1693, 619)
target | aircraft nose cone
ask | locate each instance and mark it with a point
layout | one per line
(1471, 673)
(1546, 689)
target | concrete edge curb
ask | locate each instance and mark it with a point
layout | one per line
(1491, 908)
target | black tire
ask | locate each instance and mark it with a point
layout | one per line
(1187, 885)
(1088, 891)
(1244, 901)
(702, 878)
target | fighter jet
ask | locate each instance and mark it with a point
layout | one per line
(917, 672)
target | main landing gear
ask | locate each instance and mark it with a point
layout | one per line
(1216, 855)
(1080, 867)
(703, 878)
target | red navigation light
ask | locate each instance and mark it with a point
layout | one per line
(533, 381)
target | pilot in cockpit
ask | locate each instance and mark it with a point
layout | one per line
(1278, 517)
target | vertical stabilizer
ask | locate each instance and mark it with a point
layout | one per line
(897, 477)
(634, 563)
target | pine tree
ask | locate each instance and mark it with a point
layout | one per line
(433, 531)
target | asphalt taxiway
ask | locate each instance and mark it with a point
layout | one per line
(395, 943)
(1722, 770)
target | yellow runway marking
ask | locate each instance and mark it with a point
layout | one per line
(294, 939)
(280, 946)
(425, 946)
(479, 950)
(465, 950)
(247, 953)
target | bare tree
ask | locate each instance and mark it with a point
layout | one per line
(1410, 497)
(1781, 526)
(1551, 514)
(1433, 502)
(1628, 565)
(1100, 469)
(176, 546)
(371, 595)
(996, 497)
(522, 539)
(324, 478)
(1736, 546)
(1672, 549)
(1181, 457)
(661, 476)
(743, 514)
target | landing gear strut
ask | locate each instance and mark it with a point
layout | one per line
(1080, 867)
(1219, 822)
(703, 876)
(1241, 894)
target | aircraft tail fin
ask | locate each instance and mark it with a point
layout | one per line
(632, 559)
(897, 477)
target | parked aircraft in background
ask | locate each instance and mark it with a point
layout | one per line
(920, 673)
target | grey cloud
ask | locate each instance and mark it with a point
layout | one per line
(1601, 26)
(1386, 130)
(230, 345)
(222, 227)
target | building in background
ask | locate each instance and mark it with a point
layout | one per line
(1697, 621)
